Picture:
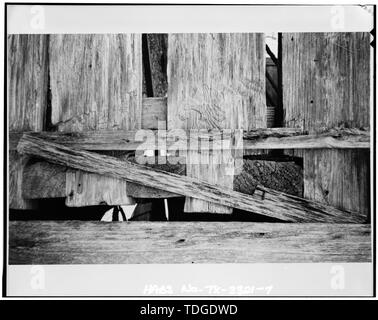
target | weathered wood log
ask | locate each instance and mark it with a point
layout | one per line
(96, 84)
(215, 81)
(53, 242)
(271, 138)
(277, 205)
(327, 86)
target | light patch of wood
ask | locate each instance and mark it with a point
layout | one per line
(154, 113)
(80, 191)
(215, 81)
(96, 84)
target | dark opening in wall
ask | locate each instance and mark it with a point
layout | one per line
(155, 210)
(154, 52)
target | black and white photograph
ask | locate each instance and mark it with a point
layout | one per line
(225, 163)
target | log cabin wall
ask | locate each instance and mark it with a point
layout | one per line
(81, 83)
(326, 83)
(96, 84)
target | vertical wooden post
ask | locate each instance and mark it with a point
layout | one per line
(326, 83)
(27, 100)
(96, 84)
(215, 81)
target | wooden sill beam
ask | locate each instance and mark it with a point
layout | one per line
(62, 242)
(271, 138)
(276, 205)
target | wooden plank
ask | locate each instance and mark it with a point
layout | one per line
(277, 205)
(62, 242)
(15, 185)
(215, 81)
(44, 180)
(326, 82)
(96, 84)
(27, 81)
(270, 138)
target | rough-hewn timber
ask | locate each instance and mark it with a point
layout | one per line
(96, 84)
(215, 81)
(77, 242)
(27, 80)
(274, 204)
(326, 83)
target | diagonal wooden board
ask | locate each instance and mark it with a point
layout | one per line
(215, 81)
(27, 80)
(96, 84)
(271, 203)
(326, 81)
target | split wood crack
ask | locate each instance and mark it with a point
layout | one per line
(275, 204)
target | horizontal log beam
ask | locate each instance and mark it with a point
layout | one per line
(270, 138)
(62, 242)
(277, 205)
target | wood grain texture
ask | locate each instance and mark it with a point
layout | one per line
(96, 84)
(326, 82)
(215, 81)
(77, 242)
(43, 180)
(46, 180)
(266, 202)
(96, 81)
(27, 81)
(270, 138)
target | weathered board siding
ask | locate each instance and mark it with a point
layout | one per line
(96, 84)
(27, 101)
(78, 242)
(326, 83)
(215, 81)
